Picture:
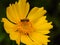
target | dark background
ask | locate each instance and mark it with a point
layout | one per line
(53, 14)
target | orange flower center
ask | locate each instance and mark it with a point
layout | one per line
(25, 26)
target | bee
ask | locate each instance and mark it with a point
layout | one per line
(24, 20)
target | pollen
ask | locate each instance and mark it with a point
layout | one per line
(25, 26)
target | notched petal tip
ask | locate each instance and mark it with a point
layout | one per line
(9, 4)
(45, 12)
(3, 19)
(49, 40)
(13, 3)
(51, 25)
(45, 17)
(16, 2)
(42, 7)
(28, 4)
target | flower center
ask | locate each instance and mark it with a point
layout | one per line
(25, 26)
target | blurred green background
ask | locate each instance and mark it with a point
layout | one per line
(53, 14)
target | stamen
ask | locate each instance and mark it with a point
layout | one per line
(25, 26)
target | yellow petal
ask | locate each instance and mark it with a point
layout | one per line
(39, 38)
(27, 9)
(23, 8)
(35, 9)
(8, 26)
(41, 20)
(17, 11)
(12, 14)
(43, 26)
(43, 31)
(15, 36)
(26, 40)
(34, 15)
(35, 44)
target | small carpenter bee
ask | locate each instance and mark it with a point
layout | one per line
(24, 20)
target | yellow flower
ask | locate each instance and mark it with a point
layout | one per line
(29, 27)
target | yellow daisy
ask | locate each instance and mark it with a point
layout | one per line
(27, 26)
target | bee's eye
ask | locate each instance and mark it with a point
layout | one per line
(24, 20)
